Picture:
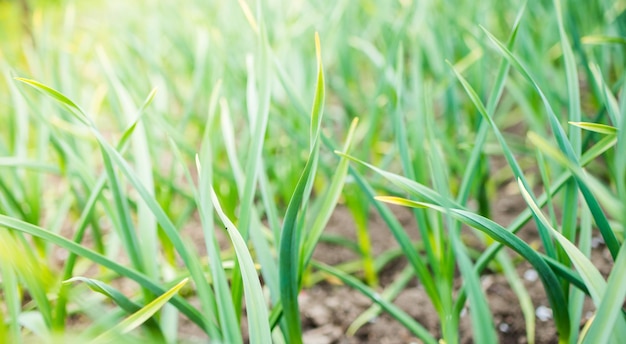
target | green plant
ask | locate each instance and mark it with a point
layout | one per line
(110, 174)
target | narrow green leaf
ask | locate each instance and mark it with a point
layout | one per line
(591, 276)
(609, 318)
(602, 39)
(290, 240)
(108, 291)
(500, 234)
(258, 127)
(269, 267)
(333, 191)
(226, 314)
(320, 94)
(596, 127)
(565, 147)
(508, 154)
(79, 250)
(257, 310)
(80, 114)
(139, 317)
(146, 224)
(593, 280)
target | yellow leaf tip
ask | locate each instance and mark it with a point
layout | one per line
(318, 49)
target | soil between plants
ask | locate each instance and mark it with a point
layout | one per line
(328, 308)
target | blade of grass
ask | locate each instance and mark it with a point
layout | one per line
(269, 268)
(609, 319)
(79, 250)
(510, 158)
(146, 224)
(329, 202)
(290, 240)
(591, 276)
(100, 287)
(566, 148)
(258, 124)
(12, 301)
(86, 217)
(58, 96)
(595, 127)
(139, 317)
(227, 314)
(207, 297)
(256, 309)
(570, 203)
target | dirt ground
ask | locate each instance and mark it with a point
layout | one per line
(328, 309)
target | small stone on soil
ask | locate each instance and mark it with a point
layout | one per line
(543, 313)
(531, 275)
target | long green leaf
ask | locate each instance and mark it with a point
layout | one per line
(565, 146)
(508, 154)
(258, 116)
(499, 233)
(146, 224)
(591, 276)
(139, 317)
(160, 215)
(596, 127)
(330, 200)
(593, 280)
(224, 296)
(290, 240)
(108, 291)
(257, 312)
(80, 114)
(609, 318)
(79, 250)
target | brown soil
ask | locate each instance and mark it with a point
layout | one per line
(328, 309)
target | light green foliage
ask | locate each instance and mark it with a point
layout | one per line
(127, 126)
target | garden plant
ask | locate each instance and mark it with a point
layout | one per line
(169, 170)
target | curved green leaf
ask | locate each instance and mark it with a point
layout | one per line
(79, 250)
(139, 317)
(258, 324)
(500, 234)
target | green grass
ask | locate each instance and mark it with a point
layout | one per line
(120, 144)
